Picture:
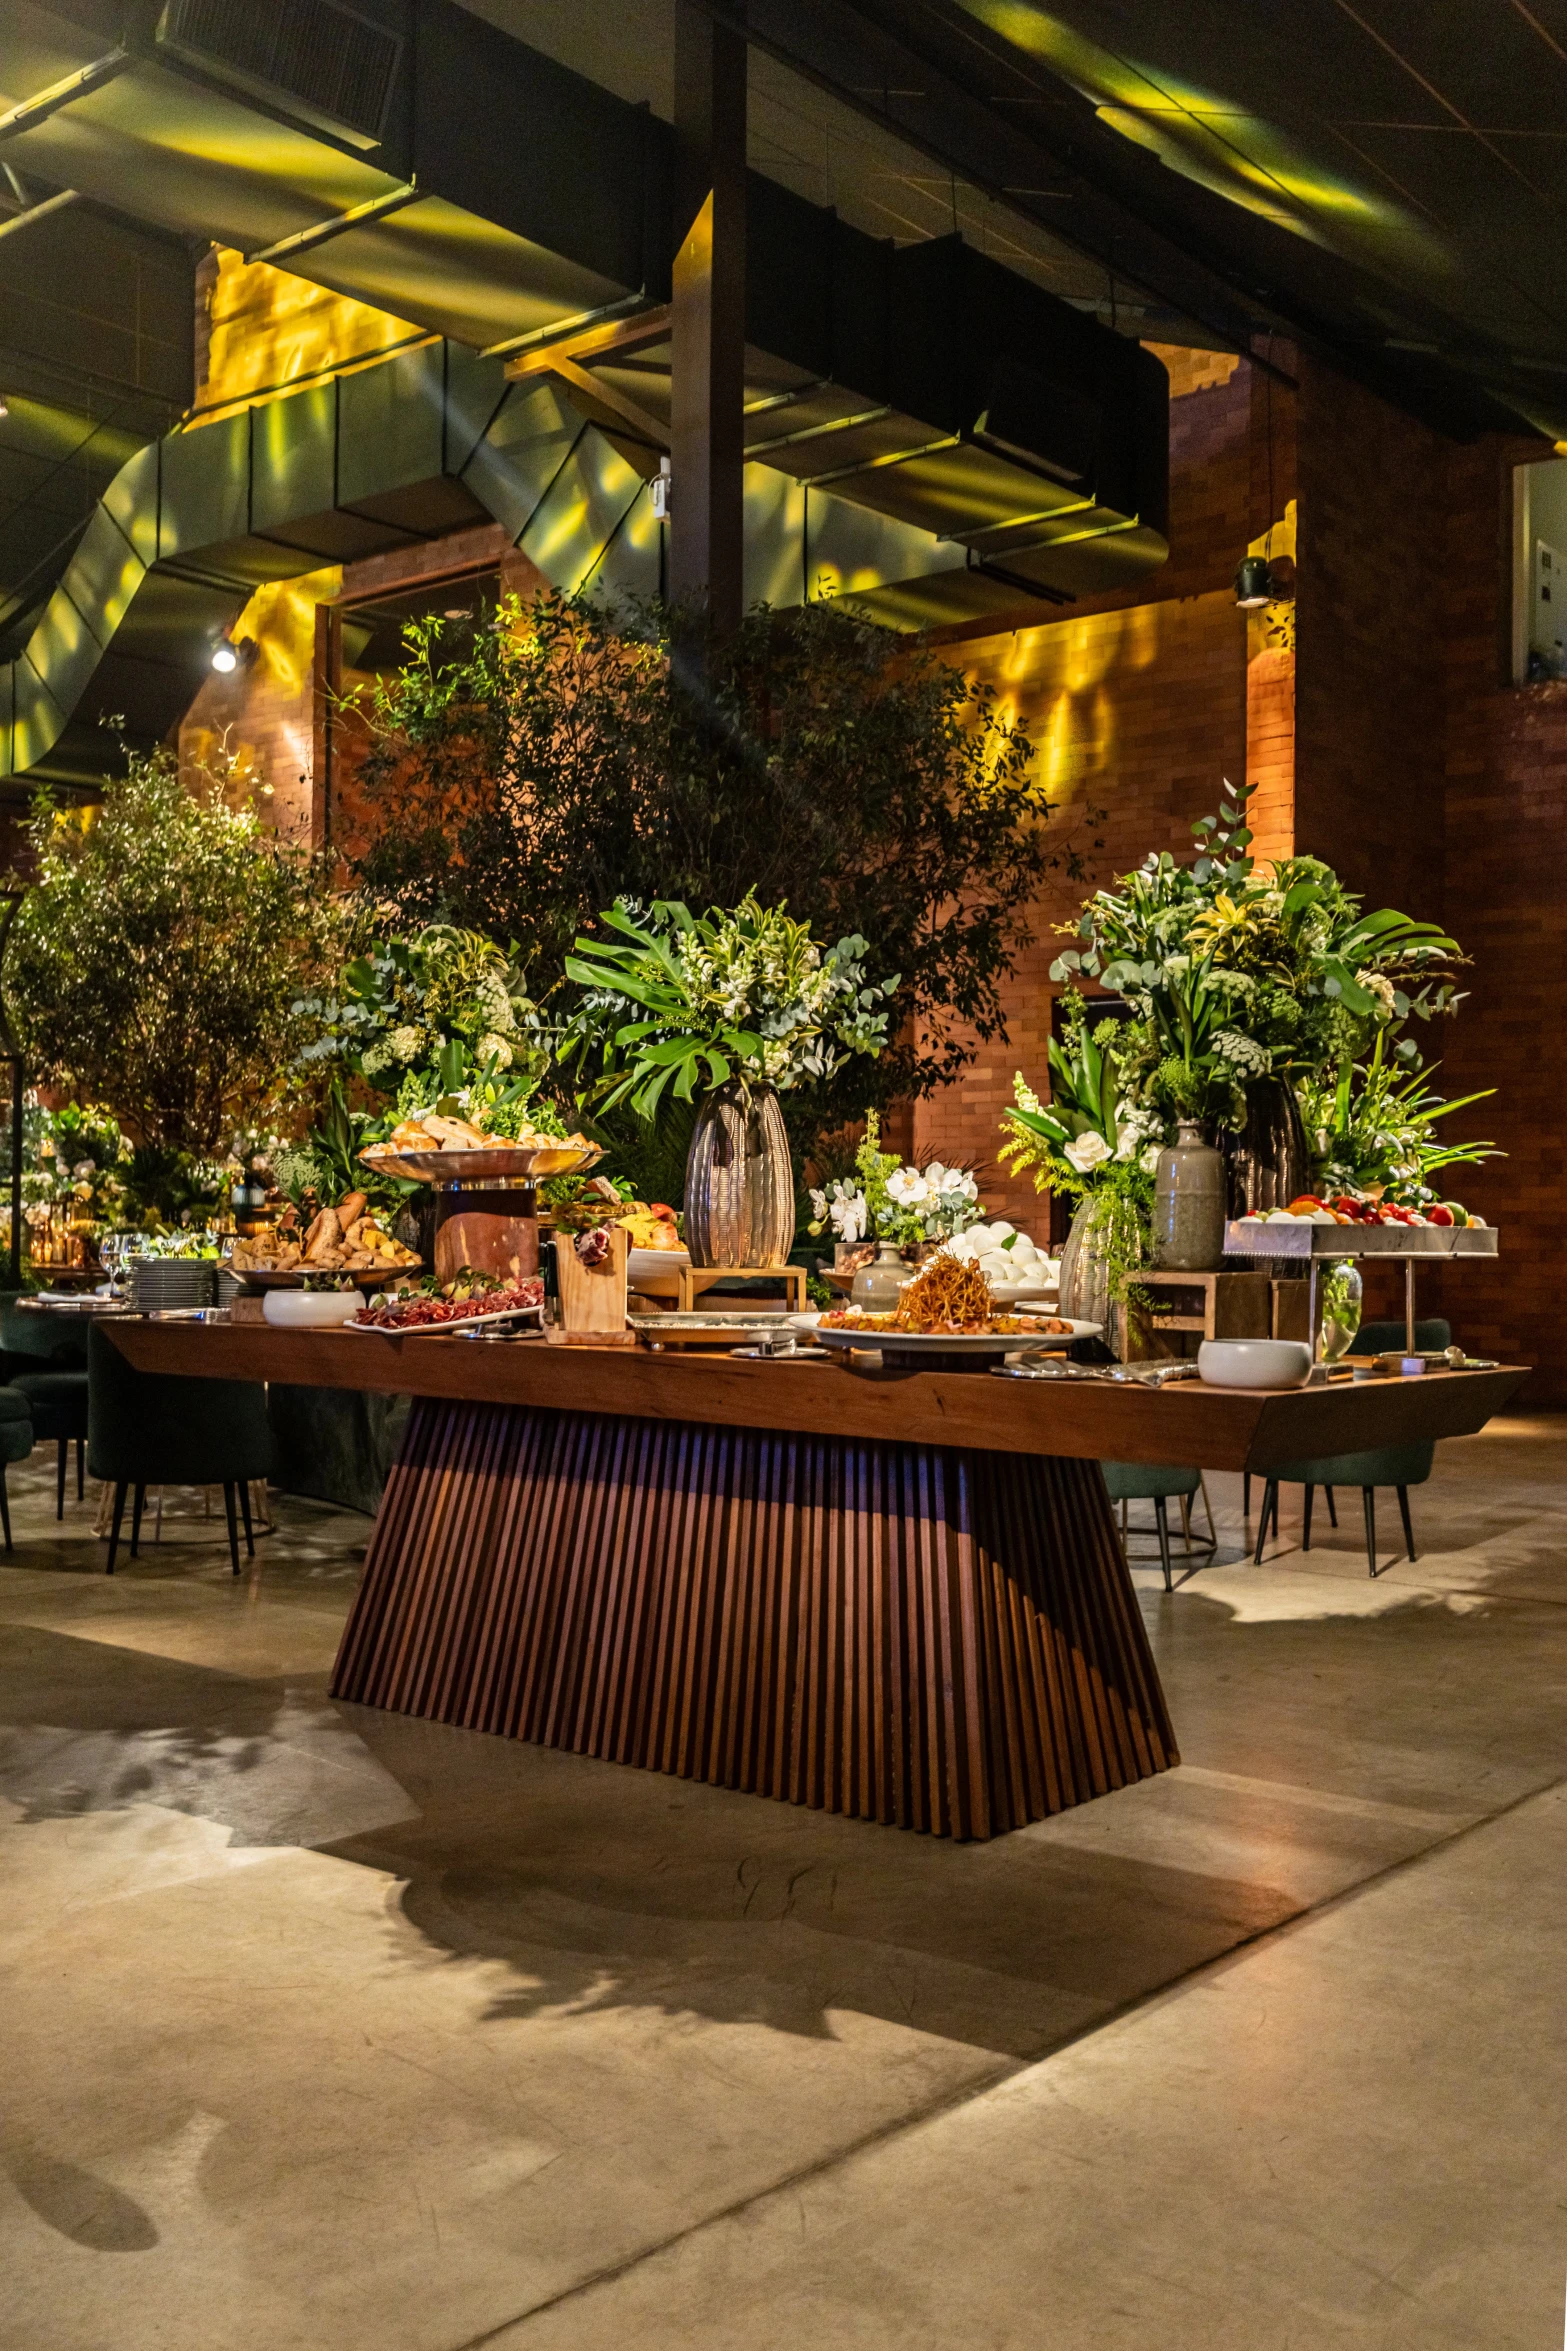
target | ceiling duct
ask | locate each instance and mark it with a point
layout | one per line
(313, 59)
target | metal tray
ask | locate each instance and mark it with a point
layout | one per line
(500, 1166)
(1303, 1240)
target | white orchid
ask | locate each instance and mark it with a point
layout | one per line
(908, 1187)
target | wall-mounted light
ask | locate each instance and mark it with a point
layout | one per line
(229, 655)
(1251, 583)
(4, 409)
(659, 486)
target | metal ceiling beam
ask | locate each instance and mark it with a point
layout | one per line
(356, 217)
(614, 400)
(38, 108)
(31, 214)
(568, 330)
(818, 432)
(844, 473)
(571, 339)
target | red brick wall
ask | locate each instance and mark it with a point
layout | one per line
(1144, 704)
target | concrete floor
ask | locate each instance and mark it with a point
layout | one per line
(329, 2030)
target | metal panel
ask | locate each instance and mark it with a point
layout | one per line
(36, 721)
(586, 502)
(204, 497)
(103, 575)
(633, 562)
(131, 500)
(292, 450)
(848, 549)
(524, 449)
(63, 651)
(389, 425)
(475, 388)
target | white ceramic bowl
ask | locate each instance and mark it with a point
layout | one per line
(1254, 1363)
(310, 1310)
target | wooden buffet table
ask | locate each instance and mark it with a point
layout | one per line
(893, 1595)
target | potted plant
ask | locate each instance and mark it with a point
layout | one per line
(733, 1007)
(902, 1208)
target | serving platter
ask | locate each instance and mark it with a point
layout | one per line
(443, 1330)
(1076, 1330)
(292, 1277)
(915, 1346)
(503, 1165)
(712, 1329)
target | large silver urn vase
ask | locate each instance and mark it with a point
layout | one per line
(739, 1181)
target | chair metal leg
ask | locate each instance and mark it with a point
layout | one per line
(137, 1500)
(1213, 1532)
(120, 1492)
(1275, 1493)
(1269, 1502)
(1403, 1510)
(1186, 1520)
(244, 1511)
(5, 1508)
(62, 1452)
(1162, 1518)
(1332, 1506)
(81, 1469)
(1369, 1498)
(228, 1505)
(1305, 1520)
(1246, 1493)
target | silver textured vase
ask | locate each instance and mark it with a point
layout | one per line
(739, 1180)
(1085, 1272)
(1188, 1203)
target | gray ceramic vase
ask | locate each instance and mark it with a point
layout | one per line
(739, 1180)
(1189, 1203)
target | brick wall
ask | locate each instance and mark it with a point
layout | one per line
(1144, 703)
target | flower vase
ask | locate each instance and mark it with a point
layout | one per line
(1188, 1208)
(1268, 1162)
(1342, 1291)
(1084, 1287)
(739, 1205)
(877, 1286)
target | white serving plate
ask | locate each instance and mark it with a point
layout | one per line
(642, 1262)
(439, 1330)
(1079, 1330)
(933, 1342)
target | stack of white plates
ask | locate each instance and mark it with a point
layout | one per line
(157, 1283)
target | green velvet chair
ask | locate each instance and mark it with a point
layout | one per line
(1376, 1338)
(153, 1429)
(16, 1442)
(1143, 1481)
(1400, 1466)
(47, 1363)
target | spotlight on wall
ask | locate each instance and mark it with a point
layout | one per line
(1251, 583)
(4, 410)
(229, 655)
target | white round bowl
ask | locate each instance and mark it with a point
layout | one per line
(1254, 1363)
(310, 1310)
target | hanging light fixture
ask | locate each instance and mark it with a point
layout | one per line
(1252, 591)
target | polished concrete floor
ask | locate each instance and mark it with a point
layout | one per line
(322, 2030)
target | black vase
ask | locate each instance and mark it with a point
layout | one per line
(1268, 1163)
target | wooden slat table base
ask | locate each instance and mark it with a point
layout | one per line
(933, 1638)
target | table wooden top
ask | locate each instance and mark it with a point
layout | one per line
(1183, 1424)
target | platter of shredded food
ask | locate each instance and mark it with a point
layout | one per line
(948, 1309)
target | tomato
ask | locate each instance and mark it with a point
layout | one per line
(1305, 1203)
(1440, 1214)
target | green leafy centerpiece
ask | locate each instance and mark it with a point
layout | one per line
(736, 1007)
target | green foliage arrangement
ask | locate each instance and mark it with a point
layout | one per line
(1373, 1128)
(571, 761)
(688, 1001)
(1094, 1142)
(444, 999)
(161, 960)
(76, 1159)
(1237, 974)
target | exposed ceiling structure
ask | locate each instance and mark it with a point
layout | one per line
(1387, 182)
